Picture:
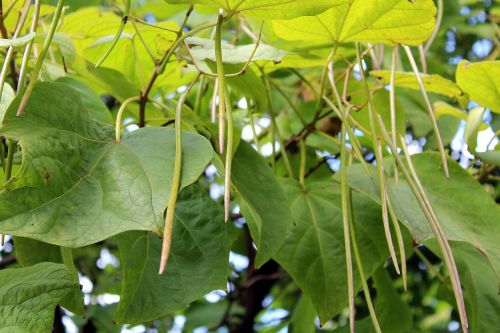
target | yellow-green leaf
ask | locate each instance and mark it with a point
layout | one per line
(389, 22)
(269, 9)
(481, 81)
(433, 83)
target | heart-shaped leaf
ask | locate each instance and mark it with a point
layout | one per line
(314, 253)
(78, 186)
(388, 21)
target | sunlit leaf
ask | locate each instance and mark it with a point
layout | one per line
(390, 22)
(433, 82)
(480, 81)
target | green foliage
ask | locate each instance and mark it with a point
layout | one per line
(307, 125)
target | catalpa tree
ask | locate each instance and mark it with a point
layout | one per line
(250, 166)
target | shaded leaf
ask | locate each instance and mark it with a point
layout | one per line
(457, 201)
(314, 253)
(263, 202)
(198, 261)
(77, 186)
(28, 296)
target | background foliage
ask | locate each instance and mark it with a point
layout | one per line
(86, 205)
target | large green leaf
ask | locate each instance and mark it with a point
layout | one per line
(479, 286)
(433, 82)
(388, 21)
(263, 202)
(269, 9)
(29, 295)
(91, 101)
(480, 81)
(464, 210)
(30, 252)
(77, 185)
(314, 253)
(198, 261)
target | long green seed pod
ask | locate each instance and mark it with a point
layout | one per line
(41, 58)
(117, 35)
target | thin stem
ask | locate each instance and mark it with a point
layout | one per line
(392, 102)
(41, 57)
(199, 95)
(10, 157)
(432, 268)
(238, 73)
(423, 60)
(176, 180)
(344, 116)
(67, 259)
(143, 42)
(27, 50)
(377, 148)
(302, 171)
(439, 19)
(345, 196)
(276, 130)
(117, 35)
(119, 115)
(362, 275)
(429, 109)
(401, 245)
(254, 132)
(287, 99)
(138, 20)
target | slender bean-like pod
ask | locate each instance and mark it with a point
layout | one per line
(302, 170)
(221, 77)
(176, 181)
(344, 116)
(417, 189)
(362, 275)
(442, 241)
(117, 35)
(439, 19)
(213, 103)
(229, 159)
(10, 50)
(429, 109)
(346, 225)
(27, 50)
(41, 57)
(377, 148)
(392, 102)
